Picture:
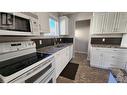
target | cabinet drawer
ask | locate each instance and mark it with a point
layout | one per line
(120, 65)
(108, 58)
(110, 50)
(118, 51)
(116, 57)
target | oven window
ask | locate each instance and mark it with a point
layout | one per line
(38, 75)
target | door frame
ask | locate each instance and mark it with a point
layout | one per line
(75, 37)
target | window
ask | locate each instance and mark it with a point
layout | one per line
(53, 24)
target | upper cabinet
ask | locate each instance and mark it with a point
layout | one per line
(63, 22)
(121, 23)
(97, 23)
(43, 22)
(109, 23)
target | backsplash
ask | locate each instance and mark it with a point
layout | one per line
(106, 41)
(50, 41)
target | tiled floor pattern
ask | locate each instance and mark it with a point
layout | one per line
(85, 73)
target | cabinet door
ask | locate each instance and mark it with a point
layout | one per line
(97, 23)
(121, 23)
(96, 58)
(61, 60)
(43, 22)
(67, 55)
(110, 21)
(107, 60)
(58, 63)
(64, 58)
(118, 60)
(64, 25)
(70, 52)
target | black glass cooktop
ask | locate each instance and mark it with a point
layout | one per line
(11, 66)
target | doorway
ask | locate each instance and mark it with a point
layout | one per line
(82, 32)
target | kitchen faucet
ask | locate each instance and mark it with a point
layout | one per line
(55, 41)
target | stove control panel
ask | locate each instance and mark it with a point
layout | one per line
(16, 46)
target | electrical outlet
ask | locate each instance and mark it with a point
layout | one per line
(103, 39)
(60, 40)
(40, 42)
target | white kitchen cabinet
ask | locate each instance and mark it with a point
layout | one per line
(63, 23)
(70, 52)
(108, 58)
(62, 58)
(109, 23)
(104, 22)
(67, 57)
(115, 22)
(113, 60)
(121, 23)
(97, 23)
(96, 58)
(58, 63)
(43, 22)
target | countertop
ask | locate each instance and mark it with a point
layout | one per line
(108, 46)
(53, 49)
(120, 75)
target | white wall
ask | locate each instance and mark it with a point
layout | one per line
(82, 31)
(77, 17)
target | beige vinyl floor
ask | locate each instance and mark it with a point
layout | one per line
(85, 73)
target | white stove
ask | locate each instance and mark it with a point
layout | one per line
(19, 62)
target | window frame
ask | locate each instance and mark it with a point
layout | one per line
(57, 34)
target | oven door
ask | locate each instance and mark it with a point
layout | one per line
(50, 78)
(45, 75)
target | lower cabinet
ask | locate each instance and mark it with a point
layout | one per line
(70, 52)
(62, 58)
(108, 58)
(58, 62)
(96, 59)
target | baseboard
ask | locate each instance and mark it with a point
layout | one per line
(80, 52)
